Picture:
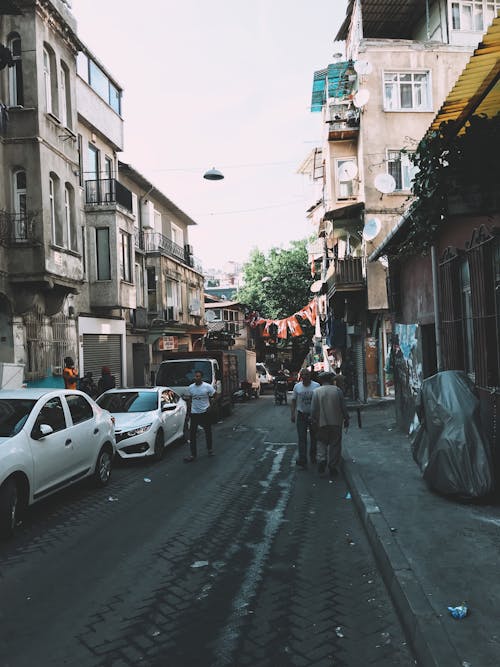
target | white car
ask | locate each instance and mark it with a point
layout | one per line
(146, 419)
(49, 439)
(265, 377)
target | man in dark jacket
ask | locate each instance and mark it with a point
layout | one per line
(106, 381)
(329, 413)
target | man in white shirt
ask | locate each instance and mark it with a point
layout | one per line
(200, 398)
(301, 414)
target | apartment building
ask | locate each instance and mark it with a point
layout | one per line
(376, 101)
(85, 241)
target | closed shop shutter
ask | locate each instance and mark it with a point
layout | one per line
(359, 364)
(103, 350)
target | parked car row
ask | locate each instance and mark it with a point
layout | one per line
(52, 438)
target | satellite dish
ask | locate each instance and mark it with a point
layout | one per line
(385, 183)
(316, 286)
(371, 229)
(384, 261)
(329, 228)
(348, 171)
(363, 67)
(361, 97)
(209, 315)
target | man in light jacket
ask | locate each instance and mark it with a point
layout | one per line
(329, 414)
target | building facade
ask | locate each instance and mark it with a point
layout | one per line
(95, 262)
(376, 102)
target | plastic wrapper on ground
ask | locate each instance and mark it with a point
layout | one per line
(449, 445)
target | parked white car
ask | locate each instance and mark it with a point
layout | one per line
(265, 377)
(146, 419)
(49, 439)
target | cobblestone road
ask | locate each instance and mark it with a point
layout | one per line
(236, 560)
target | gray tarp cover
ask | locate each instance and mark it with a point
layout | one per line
(449, 447)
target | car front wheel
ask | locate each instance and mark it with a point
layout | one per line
(159, 446)
(102, 471)
(9, 503)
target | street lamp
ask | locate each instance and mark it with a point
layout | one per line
(213, 175)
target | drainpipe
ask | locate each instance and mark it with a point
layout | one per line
(427, 20)
(437, 309)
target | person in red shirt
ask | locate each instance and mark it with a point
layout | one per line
(70, 374)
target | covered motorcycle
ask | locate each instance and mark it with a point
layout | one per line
(450, 447)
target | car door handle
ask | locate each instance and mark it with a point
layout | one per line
(96, 431)
(68, 442)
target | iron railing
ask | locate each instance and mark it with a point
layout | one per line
(16, 227)
(107, 191)
(349, 271)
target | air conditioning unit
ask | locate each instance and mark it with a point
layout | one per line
(147, 215)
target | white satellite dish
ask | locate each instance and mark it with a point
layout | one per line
(209, 315)
(348, 171)
(384, 261)
(361, 98)
(329, 228)
(385, 183)
(316, 286)
(371, 229)
(363, 67)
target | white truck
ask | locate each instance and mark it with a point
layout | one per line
(247, 371)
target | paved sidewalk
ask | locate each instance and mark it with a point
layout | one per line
(433, 552)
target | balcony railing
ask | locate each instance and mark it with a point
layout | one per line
(156, 242)
(16, 227)
(346, 274)
(107, 191)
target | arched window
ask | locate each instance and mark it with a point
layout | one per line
(65, 95)
(50, 81)
(55, 210)
(20, 209)
(69, 217)
(16, 93)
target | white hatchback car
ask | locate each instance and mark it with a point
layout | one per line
(265, 377)
(49, 438)
(146, 419)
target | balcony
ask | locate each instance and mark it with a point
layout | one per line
(156, 242)
(346, 275)
(105, 191)
(343, 123)
(16, 228)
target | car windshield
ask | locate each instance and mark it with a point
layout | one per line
(129, 401)
(13, 415)
(181, 373)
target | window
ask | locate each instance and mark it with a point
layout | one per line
(125, 257)
(406, 91)
(108, 167)
(401, 168)
(103, 258)
(157, 221)
(139, 286)
(65, 101)
(467, 321)
(176, 234)
(345, 189)
(79, 407)
(174, 302)
(54, 221)
(50, 81)
(473, 15)
(69, 217)
(19, 183)
(16, 92)
(92, 182)
(52, 414)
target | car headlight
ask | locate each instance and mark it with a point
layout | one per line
(137, 431)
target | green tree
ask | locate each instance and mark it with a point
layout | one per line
(277, 284)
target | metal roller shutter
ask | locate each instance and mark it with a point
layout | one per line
(103, 350)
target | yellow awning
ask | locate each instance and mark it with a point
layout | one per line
(477, 90)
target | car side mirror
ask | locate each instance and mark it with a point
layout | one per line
(41, 431)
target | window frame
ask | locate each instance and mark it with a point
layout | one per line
(398, 108)
(103, 253)
(405, 163)
(456, 20)
(125, 241)
(15, 73)
(339, 196)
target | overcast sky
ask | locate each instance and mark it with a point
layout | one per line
(225, 84)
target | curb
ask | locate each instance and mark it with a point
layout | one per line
(422, 625)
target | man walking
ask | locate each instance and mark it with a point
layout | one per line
(301, 414)
(200, 398)
(329, 412)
